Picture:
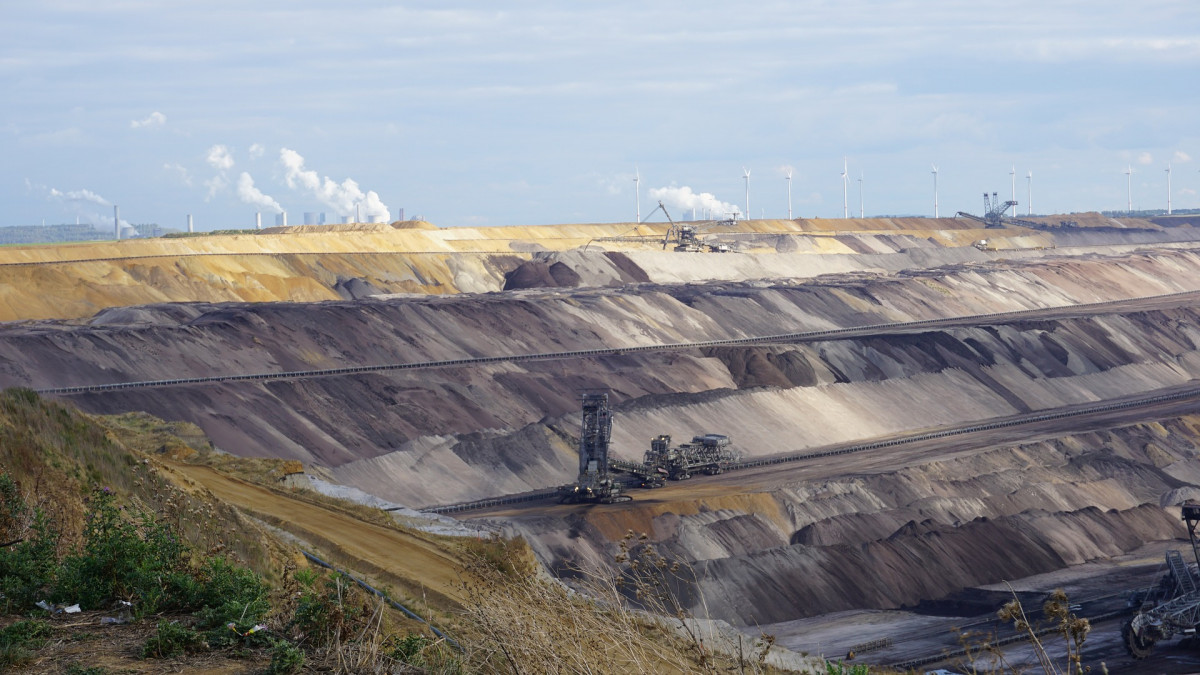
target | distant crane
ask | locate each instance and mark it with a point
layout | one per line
(684, 235)
(994, 209)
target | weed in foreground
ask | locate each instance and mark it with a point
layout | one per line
(19, 640)
(286, 658)
(172, 639)
(1057, 610)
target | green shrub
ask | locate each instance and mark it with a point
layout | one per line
(285, 658)
(227, 593)
(172, 639)
(18, 641)
(328, 612)
(141, 562)
(27, 567)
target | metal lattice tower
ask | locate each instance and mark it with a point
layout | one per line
(594, 438)
(595, 477)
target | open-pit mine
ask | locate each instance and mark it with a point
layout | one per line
(879, 428)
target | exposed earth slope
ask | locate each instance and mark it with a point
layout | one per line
(877, 530)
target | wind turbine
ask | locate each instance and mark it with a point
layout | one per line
(845, 189)
(1129, 188)
(860, 194)
(746, 175)
(935, 204)
(1168, 188)
(1029, 193)
(1013, 173)
(787, 175)
(637, 192)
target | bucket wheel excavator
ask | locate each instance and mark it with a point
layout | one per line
(1172, 607)
(596, 482)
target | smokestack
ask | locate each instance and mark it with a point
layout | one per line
(285, 218)
(190, 229)
(117, 220)
(258, 220)
(356, 214)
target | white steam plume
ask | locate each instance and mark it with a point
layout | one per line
(215, 184)
(78, 196)
(683, 199)
(340, 196)
(82, 203)
(252, 195)
(219, 158)
(179, 170)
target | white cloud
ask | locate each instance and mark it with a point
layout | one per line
(156, 119)
(1145, 158)
(218, 157)
(1181, 157)
(257, 151)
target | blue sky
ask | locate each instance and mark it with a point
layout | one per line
(540, 112)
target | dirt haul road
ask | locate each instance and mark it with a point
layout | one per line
(393, 557)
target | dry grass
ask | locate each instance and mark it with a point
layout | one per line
(521, 621)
